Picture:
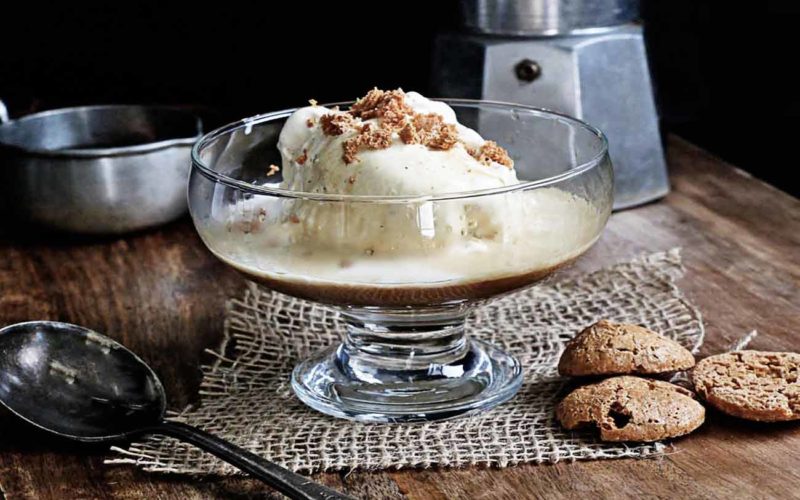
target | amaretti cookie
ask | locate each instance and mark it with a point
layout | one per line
(632, 409)
(608, 348)
(754, 385)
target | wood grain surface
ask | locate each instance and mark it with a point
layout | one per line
(162, 294)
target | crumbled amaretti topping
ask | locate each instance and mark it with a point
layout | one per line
(350, 147)
(426, 123)
(430, 130)
(490, 152)
(409, 135)
(388, 106)
(337, 123)
(395, 116)
(379, 138)
(301, 160)
(367, 138)
(444, 137)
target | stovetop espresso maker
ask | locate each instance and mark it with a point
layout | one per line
(584, 58)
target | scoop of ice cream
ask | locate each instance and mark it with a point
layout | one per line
(313, 160)
(391, 144)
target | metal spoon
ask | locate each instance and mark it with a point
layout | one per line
(76, 383)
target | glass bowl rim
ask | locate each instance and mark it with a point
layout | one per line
(249, 122)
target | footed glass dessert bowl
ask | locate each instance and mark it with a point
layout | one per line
(396, 212)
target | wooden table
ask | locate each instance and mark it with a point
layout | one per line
(162, 294)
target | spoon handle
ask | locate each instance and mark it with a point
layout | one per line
(287, 482)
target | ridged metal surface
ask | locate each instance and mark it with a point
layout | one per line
(546, 17)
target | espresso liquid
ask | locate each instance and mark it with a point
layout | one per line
(536, 234)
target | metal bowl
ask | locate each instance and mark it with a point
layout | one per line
(97, 169)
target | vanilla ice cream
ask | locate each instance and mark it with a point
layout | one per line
(399, 170)
(313, 162)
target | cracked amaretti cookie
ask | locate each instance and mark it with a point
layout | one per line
(753, 385)
(608, 348)
(632, 409)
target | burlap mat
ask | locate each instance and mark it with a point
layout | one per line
(247, 399)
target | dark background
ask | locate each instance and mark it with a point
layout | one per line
(725, 72)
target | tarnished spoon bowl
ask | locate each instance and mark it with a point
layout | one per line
(74, 382)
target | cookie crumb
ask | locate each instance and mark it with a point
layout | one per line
(389, 105)
(309, 123)
(337, 123)
(490, 152)
(409, 135)
(429, 129)
(313, 102)
(365, 106)
(301, 160)
(379, 138)
(428, 122)
(273, 169)
(445, 137)
(367, 138)
(350, 150)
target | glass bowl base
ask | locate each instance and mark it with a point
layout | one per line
(336, 382)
